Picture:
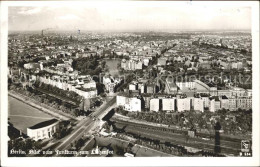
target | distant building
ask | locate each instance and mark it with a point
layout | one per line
(86, 93)
(133, 104)
(124, 64)
(34, 66)
(199, 104)
(197, 86)
(170, 87)
(183, 104)
(121, 100)
(133, 86)
(191, 133)
(110, 83)
(232, 104)
(141, 87)
(238, 92)
(146, 61)
(147, 99)
(131, 64)
(205, 65)
(225, 92)
(183, 85)
(150, 88)
(237, 65)
(76, 86)
(168, 104)
(154, 105)
(205, 98)
(214, 104)
(201, 87)
(161, 61)
(244, 102)
(224, 101)
(85, 104)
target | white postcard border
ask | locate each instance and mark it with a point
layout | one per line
(151, 161)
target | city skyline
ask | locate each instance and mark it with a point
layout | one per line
(130, 17)
(131, 79)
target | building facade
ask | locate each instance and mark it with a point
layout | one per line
(43, 130)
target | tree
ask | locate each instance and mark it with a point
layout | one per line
(103, 64)
(111, 129)
(79, 143)
(100, 88)
(77, 112)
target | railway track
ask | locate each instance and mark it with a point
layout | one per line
(230, 146)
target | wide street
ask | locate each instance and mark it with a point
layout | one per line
(87, 124)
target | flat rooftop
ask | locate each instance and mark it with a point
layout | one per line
(44, 124)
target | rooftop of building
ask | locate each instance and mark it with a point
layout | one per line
(171, 84)
(210, 84)
(204, 95)
(216, 98)
(87, 89)
(224, 97)
(44, 124)
(126, 94)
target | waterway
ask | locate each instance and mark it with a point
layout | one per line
(22, 115)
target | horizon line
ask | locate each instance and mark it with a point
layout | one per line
(136, 30)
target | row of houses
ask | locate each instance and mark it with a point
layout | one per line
(205, 64)
(195, 86)
(131, 64)
(84, 86)
(144, 86)
(198, 86)
(180, 103)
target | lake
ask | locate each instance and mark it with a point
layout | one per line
(22, 115)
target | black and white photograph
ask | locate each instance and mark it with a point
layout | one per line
(130, 79)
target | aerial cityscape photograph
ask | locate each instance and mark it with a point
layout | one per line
(130, 81)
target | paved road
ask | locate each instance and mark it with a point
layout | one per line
(87, 124)
(26, 116)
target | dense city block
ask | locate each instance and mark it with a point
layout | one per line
(187, 93)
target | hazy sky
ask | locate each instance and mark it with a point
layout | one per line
(129, 16)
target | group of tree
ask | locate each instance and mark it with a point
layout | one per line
(124, 83)
(88, 66)
(77, 144)
(64, 129)
(23, 145)
(47, 100)
(162, 146)
(198, 120)
(63, 94)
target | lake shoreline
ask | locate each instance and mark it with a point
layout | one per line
(26, 99)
